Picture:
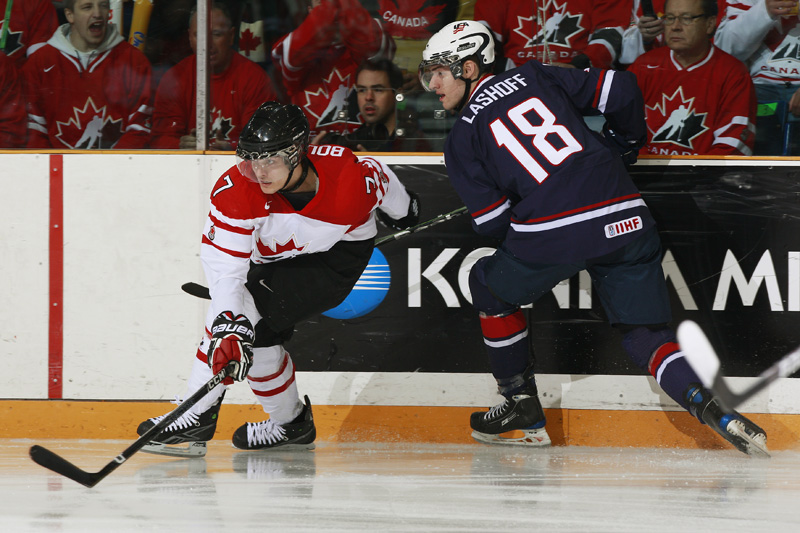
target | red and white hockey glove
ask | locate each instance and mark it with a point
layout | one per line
(231, 340)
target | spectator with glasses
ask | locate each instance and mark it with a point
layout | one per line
(765, 35)
(646, 30)
(387, 127)
(698, 99)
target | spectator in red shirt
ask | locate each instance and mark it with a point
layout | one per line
(698, 99)
(12, 105)
(577, 33)
(237, 87)
(318, 60)
(87, 87)
(32, 22)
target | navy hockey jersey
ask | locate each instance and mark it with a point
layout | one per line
(532, 173)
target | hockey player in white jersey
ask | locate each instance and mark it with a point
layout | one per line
(290, 230)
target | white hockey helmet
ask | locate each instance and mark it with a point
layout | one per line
(450, 46)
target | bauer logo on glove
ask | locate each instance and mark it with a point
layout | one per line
(231, 342)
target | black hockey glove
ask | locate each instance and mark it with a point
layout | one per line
(231, 340)
(628, 150)
(410, 220)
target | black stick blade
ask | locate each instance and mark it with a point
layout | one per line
(59, 465)
(195, 289)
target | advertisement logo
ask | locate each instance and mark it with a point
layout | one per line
(368, 292)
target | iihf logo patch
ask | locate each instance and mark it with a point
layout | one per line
(211, 234)
(623, 226)
(368, 292)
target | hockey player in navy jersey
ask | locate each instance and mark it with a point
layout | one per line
(559, 197)
(290, 230)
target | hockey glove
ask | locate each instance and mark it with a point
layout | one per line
(410, 220)
(628, 150)
(231, 340)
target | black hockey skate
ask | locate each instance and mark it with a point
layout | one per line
(522, 412)
(267, 434)
(740, 431)
(190, 428)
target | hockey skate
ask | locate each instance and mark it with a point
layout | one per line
(267, 434)
(190, 429)
(743, 433)
(522, 412)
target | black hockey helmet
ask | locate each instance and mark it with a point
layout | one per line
(274, 130)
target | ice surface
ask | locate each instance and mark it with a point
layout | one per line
(402, 487)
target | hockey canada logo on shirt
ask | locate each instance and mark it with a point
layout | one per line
(559, 28)
(221, 126)
(13, 40)
(211, 233)
(90, 128)
(788, 54)
(334, 91)
(675, 120)
(623, 226)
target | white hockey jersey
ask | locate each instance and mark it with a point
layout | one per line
(244, 224)
(770, 48)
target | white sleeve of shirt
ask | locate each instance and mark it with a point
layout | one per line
(741, 33)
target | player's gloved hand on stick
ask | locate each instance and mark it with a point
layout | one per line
(628, 150)
(231, 340)
(410, 220)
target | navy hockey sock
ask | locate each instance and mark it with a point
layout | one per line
(659, 354)
(506, 339)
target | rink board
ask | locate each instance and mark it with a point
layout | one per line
(96, 246)
(360, 423)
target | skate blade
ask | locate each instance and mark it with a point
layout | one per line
(194, 449)
(521, 437)
(756, 445)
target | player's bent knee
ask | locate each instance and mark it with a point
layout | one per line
(482, 298)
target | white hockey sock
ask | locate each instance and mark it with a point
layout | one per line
(272, 380)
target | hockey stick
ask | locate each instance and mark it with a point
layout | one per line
(703, 359)
(423, 225)
(195, 289)
(59, 465)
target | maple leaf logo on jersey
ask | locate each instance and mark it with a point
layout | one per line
(679, 123)
(269, 251)
(411, 20)
(221, 126)
(13, 40)
(333, 94)
(789, 50)
(90, 127)
(559, 27)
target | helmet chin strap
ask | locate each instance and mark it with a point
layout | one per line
(467, 89)
(300, 181)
